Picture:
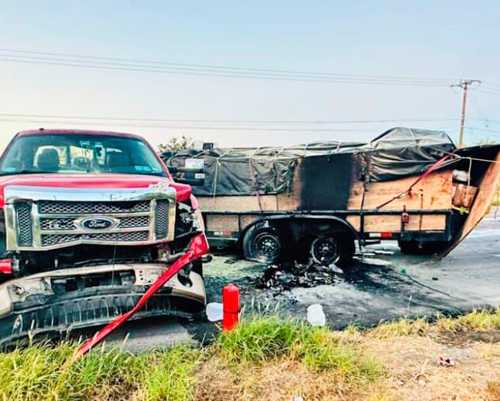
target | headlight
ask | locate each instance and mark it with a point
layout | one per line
(198, 220)
(5, 301)
(184, 220)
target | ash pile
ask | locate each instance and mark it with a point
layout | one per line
(286, 276)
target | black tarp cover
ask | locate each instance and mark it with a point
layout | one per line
(396, 153)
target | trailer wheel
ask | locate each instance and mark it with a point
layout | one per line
(262, 244)
(333, 249)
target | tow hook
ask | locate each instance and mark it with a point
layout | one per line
(183, 276)
(207, 258)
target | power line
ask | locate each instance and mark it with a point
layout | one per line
(493, 84)
(111, 63)
(184, 127)
(181, 127)
(220, 67)
(484, 129)
(219, 121)
(216, 74)
(489, 92)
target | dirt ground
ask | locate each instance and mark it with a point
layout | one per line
(415, 369)
(415, 373)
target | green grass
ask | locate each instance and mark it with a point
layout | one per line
(263, 339)
(171, 375)
(39, 373)
(259, 339)
(42, 372)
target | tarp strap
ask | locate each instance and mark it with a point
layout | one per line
(435, 166)
(253, 173)
(216, 177)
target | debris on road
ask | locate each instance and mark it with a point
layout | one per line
(283, 277)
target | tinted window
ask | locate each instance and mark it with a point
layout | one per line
(79, 154)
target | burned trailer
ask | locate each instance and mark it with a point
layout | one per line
(409, 185)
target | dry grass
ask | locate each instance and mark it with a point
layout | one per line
(278, 380)
(479, 321)
(494, 390)
(271, 359)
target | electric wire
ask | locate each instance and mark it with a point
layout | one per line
(219, 121)
(124, 64)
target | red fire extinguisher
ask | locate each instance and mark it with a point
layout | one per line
(231, 307)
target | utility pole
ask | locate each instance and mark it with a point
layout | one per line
(464, 84)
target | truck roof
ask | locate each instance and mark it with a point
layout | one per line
(48, 131)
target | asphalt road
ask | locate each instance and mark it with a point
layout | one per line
(385, 285)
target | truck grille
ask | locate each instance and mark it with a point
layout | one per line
(161, 219)
(56, 223)
(57, 239)
(58, 207)
(24, 224)
(47, 223)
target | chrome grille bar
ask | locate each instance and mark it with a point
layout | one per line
(57, 222)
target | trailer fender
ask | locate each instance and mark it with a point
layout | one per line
(265, 239)
(279, 220)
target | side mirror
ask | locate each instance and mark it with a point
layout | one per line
(191, 178)
(193, 172)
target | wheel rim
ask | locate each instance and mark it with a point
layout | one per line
(267, 247)
(324, 250)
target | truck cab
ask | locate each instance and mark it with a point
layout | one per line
(88, 220)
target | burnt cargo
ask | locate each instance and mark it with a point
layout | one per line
(410, 185)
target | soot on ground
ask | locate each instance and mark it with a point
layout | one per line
(284, 277)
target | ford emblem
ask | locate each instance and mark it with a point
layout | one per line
(97, 223)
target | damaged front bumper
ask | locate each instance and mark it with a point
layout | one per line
(60, 301)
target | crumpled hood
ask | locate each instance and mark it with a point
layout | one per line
(92, 181)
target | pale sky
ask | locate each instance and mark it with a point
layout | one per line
(445, 40)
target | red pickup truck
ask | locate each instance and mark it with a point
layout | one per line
(88, 221)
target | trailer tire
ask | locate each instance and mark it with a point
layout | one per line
(262, 244)
(333, 249)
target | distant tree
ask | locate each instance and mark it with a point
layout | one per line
(176, 144)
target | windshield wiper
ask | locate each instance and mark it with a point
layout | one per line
(27, 172)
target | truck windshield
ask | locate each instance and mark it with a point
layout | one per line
(79, 154)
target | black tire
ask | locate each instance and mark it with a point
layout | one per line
(422, 248)
(262, 244)
(333, 248)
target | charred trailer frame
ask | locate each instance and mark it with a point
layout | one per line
(408, 185)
